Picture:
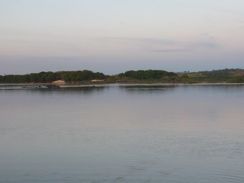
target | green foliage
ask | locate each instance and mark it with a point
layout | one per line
(140, 76)
(80, 75)
(148, 74)
(46, 77)
(217, 76)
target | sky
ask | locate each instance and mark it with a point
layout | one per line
(112, 36)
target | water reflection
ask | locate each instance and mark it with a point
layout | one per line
(147, 89)
(82, 90)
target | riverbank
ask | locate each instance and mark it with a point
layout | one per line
(13, 86)
(130, 77)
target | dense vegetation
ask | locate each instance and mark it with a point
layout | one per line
(45, 77)
(215, 76)
(148, 75)
(140, 76)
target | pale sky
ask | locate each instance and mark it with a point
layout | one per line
(117, 35)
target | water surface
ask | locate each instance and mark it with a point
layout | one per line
(184, 134)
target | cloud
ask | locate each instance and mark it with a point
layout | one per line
(160, 45)
(171, 50)
(141, 40)
(206, 41)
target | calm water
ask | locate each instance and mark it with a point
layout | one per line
(191, 134)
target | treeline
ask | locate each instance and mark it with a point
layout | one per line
(148, 76)
(46, 77)
(215, 76)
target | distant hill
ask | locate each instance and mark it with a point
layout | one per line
(139, 76)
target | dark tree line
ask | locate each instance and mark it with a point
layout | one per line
(226, 75)
(214, 76)
(44, 77)
(148, 74)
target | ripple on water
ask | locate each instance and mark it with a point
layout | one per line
(229, 176)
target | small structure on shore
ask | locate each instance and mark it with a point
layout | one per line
(58, 82)
(97, 80)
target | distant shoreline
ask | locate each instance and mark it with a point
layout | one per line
(152, 77)
(23, 86)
